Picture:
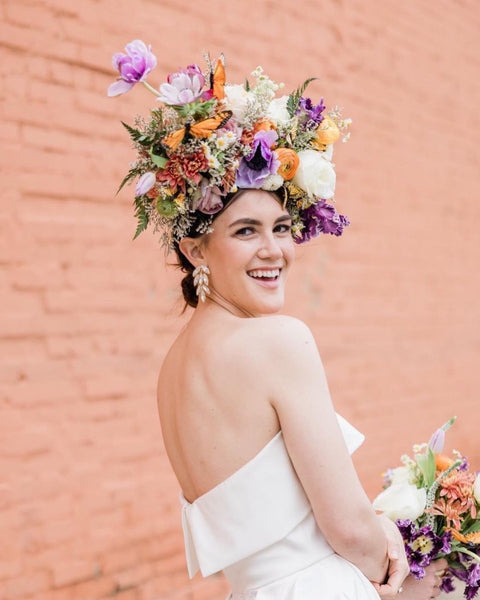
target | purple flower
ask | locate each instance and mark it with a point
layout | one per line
(321, 218)
(133, 66)
(260, 163)
(473, 581)
(183, 87)
(446, 584)
(437, 441)
(311, 113)
(422, 545)
(145, 184)
(212, 199)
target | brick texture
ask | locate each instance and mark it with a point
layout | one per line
(88, 504)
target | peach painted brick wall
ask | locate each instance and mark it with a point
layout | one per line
(88, 505)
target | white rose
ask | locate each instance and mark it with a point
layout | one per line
(277, 110)
(476, 488)
(272, 182)
(401, 475)
(328, 152)
(237, 100)
(401, 501)
(315, 175)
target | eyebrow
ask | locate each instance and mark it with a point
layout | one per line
(247, 221)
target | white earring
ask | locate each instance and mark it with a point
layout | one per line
(200, 281)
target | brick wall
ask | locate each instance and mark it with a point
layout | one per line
(88, 505)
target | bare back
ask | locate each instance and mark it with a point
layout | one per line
(213, 400)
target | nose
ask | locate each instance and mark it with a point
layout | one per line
(270, 247)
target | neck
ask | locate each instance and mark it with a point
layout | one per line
(216, 298)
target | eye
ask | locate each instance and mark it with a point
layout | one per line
(244, 231)
(283, 228)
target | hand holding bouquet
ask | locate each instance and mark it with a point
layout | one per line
(435, 501)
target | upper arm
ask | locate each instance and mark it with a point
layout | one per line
(312, 434)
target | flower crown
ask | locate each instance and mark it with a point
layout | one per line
(208, 139)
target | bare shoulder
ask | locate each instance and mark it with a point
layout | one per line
(288, 341)
(280, 333)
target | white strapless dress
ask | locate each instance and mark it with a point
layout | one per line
(258, 527)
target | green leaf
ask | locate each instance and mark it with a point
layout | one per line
(294, 98)
(201, 110)
(247, 85)
(426, 464)
(128, 177)
(142, 217)
(138, 136)
(195, 110)
(159, 161)
(474, 527)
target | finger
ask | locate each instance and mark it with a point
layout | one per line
(393, 551)
(440, 565)
(387, 592)
(395, 580)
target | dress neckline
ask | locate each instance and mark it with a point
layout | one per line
(235, 473)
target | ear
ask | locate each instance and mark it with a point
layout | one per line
(192, 249)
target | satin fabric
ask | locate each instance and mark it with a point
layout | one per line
(257, 526)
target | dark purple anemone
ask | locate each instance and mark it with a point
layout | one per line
(422, 545)
(321, 218)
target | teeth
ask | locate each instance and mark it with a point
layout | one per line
(262, 273)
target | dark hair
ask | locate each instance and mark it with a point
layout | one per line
(188, 288)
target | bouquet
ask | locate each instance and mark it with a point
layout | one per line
(435, 501)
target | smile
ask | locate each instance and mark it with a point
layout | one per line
(265, 274)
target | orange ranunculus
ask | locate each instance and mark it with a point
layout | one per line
(327, 133)
(264, 125)
(443, 462)
(288, 162)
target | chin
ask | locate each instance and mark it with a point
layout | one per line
(269, 306)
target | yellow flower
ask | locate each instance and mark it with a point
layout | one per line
(327, 133)
(180, 200)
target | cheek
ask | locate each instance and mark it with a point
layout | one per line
(289, 250)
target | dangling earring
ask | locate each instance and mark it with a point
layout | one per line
(200, 281)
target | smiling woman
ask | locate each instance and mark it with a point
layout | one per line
(250, 245)
(250, 430)
(234, 177)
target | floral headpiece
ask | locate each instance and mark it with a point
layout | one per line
(207, 139)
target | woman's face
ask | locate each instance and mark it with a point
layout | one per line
(250, 251)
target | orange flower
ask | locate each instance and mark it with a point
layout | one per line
(247, 136)
(459, 486)
(452, 511)
(264, 125)
(443, 462)
(327, 133)
(457, 535)
(288, 162)
(473, 538)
